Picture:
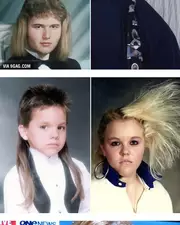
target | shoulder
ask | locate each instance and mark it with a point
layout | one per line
(162, 193)
(99, 184)
(73, 64)
(79, 164)
(12, 176)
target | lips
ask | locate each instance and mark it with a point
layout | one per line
(45, 44)
(53, 145)
(125, 161)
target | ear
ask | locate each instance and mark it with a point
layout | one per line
(23, 132)
(103, 150)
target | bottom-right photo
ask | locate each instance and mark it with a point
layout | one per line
(135, 146)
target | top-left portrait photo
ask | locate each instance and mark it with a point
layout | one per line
(45, 34)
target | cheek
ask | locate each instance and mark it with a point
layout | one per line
(56, 35)
(139, 154)
(109, 153)
(33, 35)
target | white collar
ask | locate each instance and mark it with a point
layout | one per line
(46, 57)
(40, 157)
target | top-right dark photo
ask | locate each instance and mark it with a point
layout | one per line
(135, 34)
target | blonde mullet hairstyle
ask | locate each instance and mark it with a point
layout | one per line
(62, 50)
(19, 38)
(158, 109)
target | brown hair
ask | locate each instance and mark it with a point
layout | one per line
(41, 96)
(42, 8)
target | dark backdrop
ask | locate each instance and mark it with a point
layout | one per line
(116, 92)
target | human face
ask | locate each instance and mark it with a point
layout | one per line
(124, 146)
(43, 34)
(46, 131)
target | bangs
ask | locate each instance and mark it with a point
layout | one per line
(46, 14)
(44, 8)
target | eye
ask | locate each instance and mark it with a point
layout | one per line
(134, 142)
(37, 26)
(44, 127)
(115, 143)
(55, 26)
(61, 128)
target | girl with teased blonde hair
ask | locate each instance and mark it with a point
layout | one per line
(123, 181)
(41, 36)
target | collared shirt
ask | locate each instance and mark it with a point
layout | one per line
(46, 57)
(51, 173)
(109, 195)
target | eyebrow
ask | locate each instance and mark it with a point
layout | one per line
(112, 138)
(45, 122)
(43, 25)
(116, 138)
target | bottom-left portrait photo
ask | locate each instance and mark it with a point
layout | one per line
(44, 145)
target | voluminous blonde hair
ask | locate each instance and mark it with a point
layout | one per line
(41, 8)
(158, 110)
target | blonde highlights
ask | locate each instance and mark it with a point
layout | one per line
(38, 97)
(157, 108)
(41, 8)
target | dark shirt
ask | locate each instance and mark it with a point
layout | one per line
(31, 62)
(160, 49)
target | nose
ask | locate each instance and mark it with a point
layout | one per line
(46, 33)
(125, 150)
(54, 133)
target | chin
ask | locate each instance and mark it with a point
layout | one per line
(126, 173)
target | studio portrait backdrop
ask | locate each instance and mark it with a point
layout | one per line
(110, 93)
(79, 11)
(11, 90)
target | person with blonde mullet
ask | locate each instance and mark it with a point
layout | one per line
(45, 179)
(122, 181)
(41, 36)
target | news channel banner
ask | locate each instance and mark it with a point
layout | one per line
(51, 222)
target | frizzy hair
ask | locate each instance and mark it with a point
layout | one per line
(157, 108)
(41, 8)
(40, 97)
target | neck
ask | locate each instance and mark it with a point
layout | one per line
(38, 55)
(130, 180)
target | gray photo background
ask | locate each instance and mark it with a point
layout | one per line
(110, 93)
(11, 90)
(80, 16)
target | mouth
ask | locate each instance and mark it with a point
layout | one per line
(45, 44)
(53, 145)
(125, 162)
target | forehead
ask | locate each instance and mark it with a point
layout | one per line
(49, 113)
(45, 19)
(124, 128)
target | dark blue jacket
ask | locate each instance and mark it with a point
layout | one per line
(109, 36)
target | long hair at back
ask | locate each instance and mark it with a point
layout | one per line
(41, 96)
